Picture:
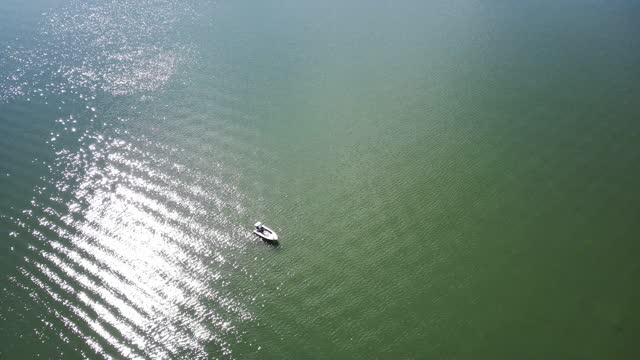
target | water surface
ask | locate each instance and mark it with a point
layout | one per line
(449, 179)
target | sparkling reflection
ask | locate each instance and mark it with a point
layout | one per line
(121, 47)
(126, 247)
(127, 251)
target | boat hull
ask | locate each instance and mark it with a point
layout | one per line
(267, 234)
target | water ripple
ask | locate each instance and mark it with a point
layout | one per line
(139, 252)
(121, 47)
(125, 246)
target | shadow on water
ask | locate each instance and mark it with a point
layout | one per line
(271, 243)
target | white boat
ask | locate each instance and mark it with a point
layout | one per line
(265, 233)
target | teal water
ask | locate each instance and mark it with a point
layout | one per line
(450, 180)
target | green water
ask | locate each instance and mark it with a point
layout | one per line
(449, 180)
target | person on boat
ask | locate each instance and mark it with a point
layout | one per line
(259, 227)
